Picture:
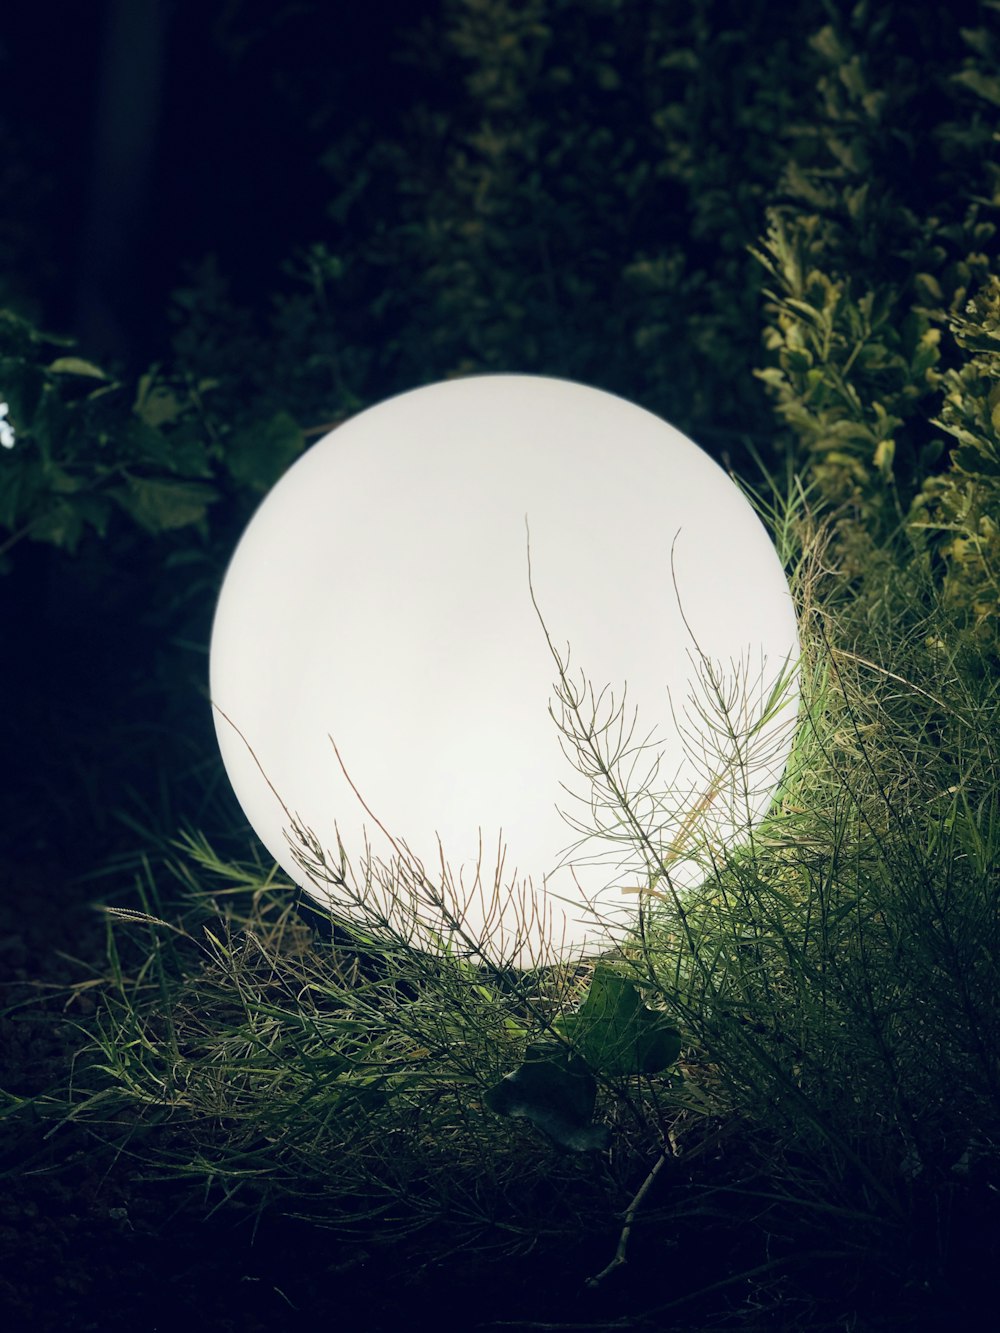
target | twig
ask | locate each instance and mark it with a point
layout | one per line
(620, 1255)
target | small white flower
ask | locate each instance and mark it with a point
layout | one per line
(6, 429)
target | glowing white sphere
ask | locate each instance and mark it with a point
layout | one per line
(380, 600)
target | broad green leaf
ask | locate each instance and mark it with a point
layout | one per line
(66, 522)
(926, 355)
(799, 359)
(928, 289)
(258, 455)
(856, 197)
(885, 453)
(828, 44)
(985, 85)
(57, 479)
(155, 404)
(75, 365)
(95, 510)
(62, 526)
(21, 485)
(181, 450)
(616, 1033)
(159, 504)
(556, 1092)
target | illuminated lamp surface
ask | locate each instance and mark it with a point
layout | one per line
(380, 602)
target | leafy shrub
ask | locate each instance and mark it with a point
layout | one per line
(881, 295)
(960, 511)
(86, 450)
(581, 203)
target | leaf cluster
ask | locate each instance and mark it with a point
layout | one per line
(86, 450)
(581, 204)
(612, 1034)
(880, 290)
(958, 511)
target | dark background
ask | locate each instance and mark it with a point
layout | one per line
(140, 138)
(151, 133)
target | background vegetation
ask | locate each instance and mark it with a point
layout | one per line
(775, 226)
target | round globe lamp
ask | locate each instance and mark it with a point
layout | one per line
(500, 660)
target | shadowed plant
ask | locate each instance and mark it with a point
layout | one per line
(800, 1040)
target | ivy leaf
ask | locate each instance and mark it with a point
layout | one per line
(613, 1032)
(68, 515)
(160, 504)
(179, 451)
(258, 455)
(616, 1033)
(556, 1092)
(62, 525)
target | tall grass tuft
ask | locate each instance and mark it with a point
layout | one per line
(834, 978)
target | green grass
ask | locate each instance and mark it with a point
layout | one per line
(835, 982)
